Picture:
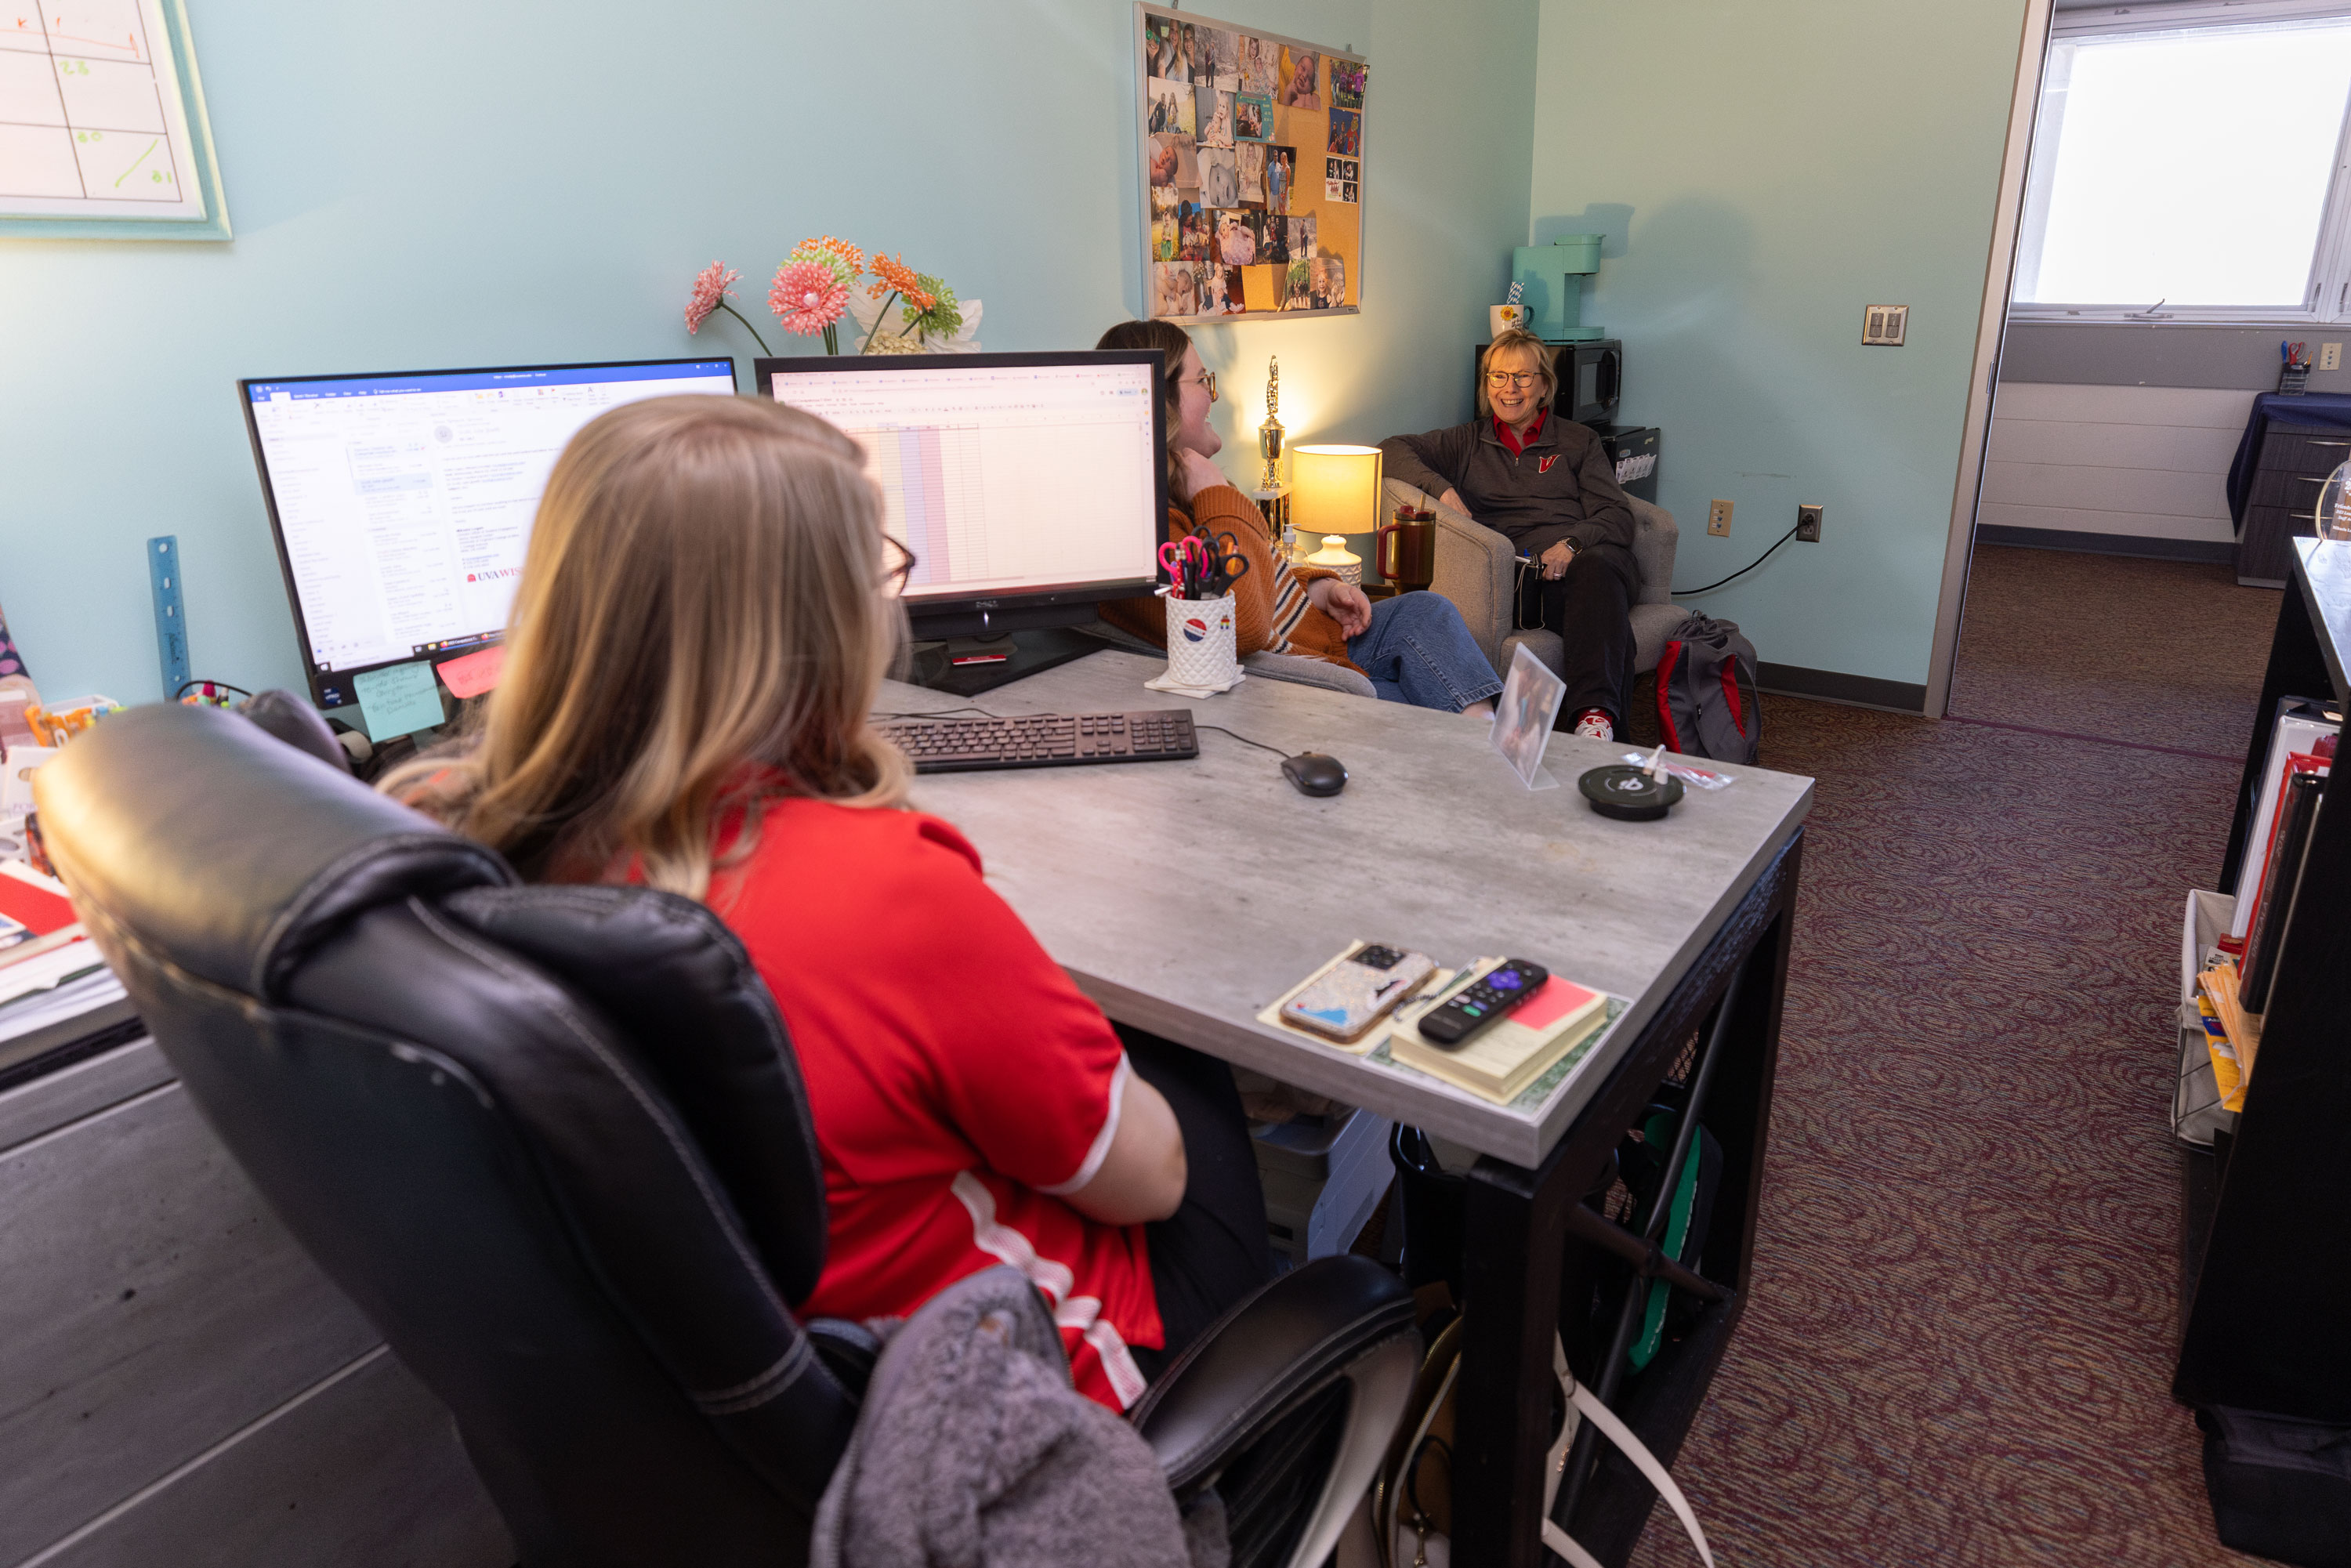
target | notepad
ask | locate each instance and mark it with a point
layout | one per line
(35, 916)
(398, 699)
(1500, 1062)
(36, 902)
(475, 673)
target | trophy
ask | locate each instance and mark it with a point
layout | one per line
(1269, 433)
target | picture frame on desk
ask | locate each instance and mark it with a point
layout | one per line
(123, 149)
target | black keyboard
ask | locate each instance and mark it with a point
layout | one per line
(1043, 740)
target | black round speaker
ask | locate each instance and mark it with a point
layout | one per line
(1629, 793)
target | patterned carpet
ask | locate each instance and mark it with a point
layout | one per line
(1960, 1340)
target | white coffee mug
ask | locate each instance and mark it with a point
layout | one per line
(1500, 318)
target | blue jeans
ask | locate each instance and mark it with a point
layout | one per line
(1417, 650)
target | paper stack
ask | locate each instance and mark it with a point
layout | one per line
(1498, 1063)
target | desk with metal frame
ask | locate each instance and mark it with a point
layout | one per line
(1185, 898)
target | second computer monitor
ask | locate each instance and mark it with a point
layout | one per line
(1029, 487)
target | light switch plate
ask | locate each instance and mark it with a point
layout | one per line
(1717, 519)
(2330, 356)
(1884, 326)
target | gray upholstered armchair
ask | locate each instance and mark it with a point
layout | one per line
(1476, 569)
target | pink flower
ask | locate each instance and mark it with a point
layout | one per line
(809, 296)
(711, 285)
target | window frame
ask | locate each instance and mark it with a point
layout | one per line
(2327, 294)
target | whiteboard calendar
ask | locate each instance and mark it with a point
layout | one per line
(102, 122)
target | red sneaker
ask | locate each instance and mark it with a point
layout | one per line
(1593, 724)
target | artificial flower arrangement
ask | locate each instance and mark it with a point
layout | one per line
(812, 293)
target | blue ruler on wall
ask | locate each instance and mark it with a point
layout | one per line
(171, 612)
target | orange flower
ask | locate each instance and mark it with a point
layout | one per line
(848, 255)
(892, 273)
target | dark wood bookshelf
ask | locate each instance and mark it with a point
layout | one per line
(2266, 1234)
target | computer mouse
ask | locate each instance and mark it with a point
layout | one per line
(1312, 773)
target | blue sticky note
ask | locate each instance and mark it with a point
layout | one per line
(398, 699)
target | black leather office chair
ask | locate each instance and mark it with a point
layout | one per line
(552, 1140)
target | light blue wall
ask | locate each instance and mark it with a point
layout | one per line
(1764, 171)
(437, 183)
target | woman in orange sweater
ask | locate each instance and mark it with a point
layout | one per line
(1414, 646)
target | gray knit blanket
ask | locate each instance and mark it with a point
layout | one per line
(973, 1450)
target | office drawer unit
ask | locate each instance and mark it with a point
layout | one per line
(1323, 1175)
(2295, 463)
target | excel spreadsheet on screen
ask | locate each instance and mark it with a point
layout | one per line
(1015, 476)
(403, 504)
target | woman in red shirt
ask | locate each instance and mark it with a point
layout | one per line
(705, 617)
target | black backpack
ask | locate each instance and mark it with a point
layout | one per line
(1706, 701)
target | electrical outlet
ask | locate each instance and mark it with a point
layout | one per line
(1808, 525)
(1717, 519)
(2330, 356)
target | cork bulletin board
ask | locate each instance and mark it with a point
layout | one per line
(1252, 149)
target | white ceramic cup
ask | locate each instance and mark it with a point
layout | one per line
(1500, 318)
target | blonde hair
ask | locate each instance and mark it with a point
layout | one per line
(701, 622)
(1507, 340)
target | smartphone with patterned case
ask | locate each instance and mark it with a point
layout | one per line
(1357, 992)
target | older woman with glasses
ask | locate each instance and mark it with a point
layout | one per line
(1547, 485)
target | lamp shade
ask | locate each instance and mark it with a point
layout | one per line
(1334, 489)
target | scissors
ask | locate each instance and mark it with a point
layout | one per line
(1226, 565)
(1188, 564)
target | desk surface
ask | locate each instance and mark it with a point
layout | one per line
(2324, 568)
(1434, 846)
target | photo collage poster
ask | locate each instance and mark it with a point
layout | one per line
(1253, 168)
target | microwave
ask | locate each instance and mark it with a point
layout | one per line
(1591, 379)
(1590, 376)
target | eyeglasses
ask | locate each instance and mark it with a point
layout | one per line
(1208, 380)
(1513, 378)
(895, 580)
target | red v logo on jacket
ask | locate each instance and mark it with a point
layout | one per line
(1543, 464)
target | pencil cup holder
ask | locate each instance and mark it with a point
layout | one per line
(1200, 641)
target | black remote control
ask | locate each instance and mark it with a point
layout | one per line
(1501, 988)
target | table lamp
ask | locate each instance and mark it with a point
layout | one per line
(1334, 490)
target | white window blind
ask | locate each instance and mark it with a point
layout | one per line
(2187, 165)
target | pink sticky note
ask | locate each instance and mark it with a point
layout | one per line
(475, 673)
(1553, 1002)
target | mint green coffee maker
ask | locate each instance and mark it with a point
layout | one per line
(1551, 286)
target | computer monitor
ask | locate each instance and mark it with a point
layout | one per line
(1030, 487)
(403, 504)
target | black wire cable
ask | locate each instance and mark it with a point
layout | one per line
(1244, 739)
(1742, 571)
(187, 686)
